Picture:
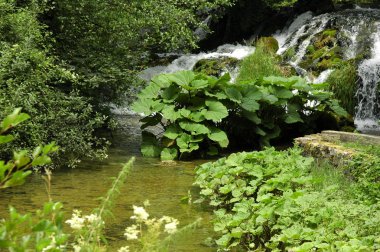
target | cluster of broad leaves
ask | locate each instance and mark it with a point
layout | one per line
(196, 110)
(14, 171)
(266, 201)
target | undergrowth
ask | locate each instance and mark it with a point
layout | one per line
(282, 201)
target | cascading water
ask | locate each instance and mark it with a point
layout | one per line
(367, 116)
(358, 32)
(188, 61)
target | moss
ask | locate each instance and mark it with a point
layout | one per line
(289, 54)
(323, 53)
(216, 66)
(330, 33)
(268, 43)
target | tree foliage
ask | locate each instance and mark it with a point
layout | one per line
(32, 78)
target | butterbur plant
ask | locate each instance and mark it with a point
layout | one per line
(197, 112)
(187, 106)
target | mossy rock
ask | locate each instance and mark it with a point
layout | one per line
(289, 54)
(269, 43)
(323, 52)
(288, 70)
(215, 66)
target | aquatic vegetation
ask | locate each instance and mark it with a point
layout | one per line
(271, 200)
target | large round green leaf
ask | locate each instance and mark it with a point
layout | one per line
(172, 132)
(194, 128)
(219, 136)
(216, 111)
(183, 78)
(169, 154)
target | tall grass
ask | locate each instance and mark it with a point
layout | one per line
(343, 83)
(261, 63)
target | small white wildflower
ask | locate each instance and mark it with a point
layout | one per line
(92, 218)
(124, 249)
(76, 222)
(139, 213)
(166, 219)
(132, 233)
(146, 203)
(171, 227)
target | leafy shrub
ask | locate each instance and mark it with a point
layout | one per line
(30, 77)
(267, 201)
(13, 172)
(196, 111)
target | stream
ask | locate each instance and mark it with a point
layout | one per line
(162, 184)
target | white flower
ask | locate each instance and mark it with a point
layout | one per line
(171, 227)
(92, 218)
(76, 222)
(124, 249)
(132, 233)
(139, 213)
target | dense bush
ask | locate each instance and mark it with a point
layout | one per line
(196, 111)
(268, 201)
(30, 77)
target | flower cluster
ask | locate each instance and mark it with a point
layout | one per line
(77, 222)
(152, 225)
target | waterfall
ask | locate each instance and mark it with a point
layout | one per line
(188, 61)
(358, 33)
(367, 116)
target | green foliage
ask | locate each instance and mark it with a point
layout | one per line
(30, 77)
(215, 67)
(189, 105)
(343, 83)
(14, 171)
(42, 231)
(197, 112)
(263, 62)
(271, 201)
(364, 167)
(323, 53)
(109, 42)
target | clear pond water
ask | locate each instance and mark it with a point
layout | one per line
(163, 185)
